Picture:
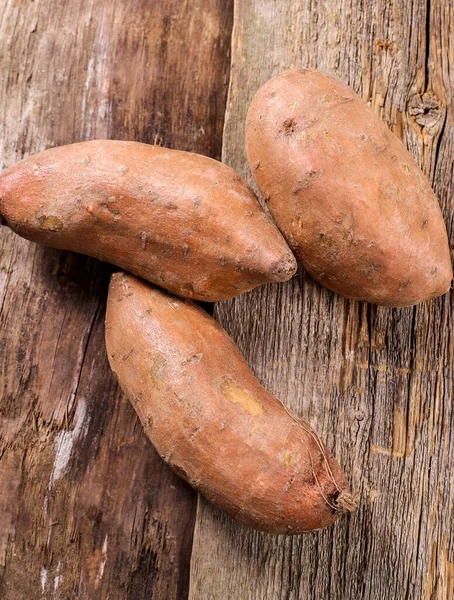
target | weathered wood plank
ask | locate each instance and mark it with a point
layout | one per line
(87, 508)
(376, 383)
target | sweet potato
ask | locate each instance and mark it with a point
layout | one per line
(359, 214)
(181, 220)
(211, 420)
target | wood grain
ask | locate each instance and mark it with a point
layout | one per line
(376, 383)
(87, 508)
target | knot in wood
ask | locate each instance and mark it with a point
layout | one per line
(427, 111)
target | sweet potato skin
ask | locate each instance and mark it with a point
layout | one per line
(182, 220)
(211, 420)
(360, 216)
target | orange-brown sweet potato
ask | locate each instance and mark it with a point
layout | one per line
(360, 216)
(211, 420)
(182, 220)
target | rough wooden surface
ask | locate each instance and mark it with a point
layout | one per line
(87, 509)
(376, 383)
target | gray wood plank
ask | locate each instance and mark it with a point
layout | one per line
(376, 383)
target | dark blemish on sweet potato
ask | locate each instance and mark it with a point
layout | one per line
(424, 223)
(288, 127)
(256, 165)
(325, 241)
(404, 285)
(222, 260)
(194, 358)
(143, 239)
(307, 181)
(185, 250)
(127, 355)
(287, 486)
(196, 202)
(379, 148)
(50, 223)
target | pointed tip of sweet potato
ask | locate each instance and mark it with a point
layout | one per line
(284, 269)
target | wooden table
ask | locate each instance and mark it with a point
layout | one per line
(87, 509)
